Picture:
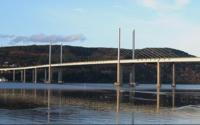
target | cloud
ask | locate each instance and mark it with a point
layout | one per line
(42, 38)
(164, 5)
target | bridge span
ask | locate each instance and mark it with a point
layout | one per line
(108, 62)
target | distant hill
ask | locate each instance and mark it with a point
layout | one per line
(35, 55)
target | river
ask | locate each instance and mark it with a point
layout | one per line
(84, 103)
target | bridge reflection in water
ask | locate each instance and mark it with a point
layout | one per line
(65, 106)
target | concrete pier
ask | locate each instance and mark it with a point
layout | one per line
(45, 75)
(13, 75)
(158, 75)
(35, 74)
(118, 98)
(24, 76)
(173, 75)
(158, 100)
(61, 61)
(173, 98)
(60, 76)
(132, 76)
(50, 72)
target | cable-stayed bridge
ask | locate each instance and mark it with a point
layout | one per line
(120, 57)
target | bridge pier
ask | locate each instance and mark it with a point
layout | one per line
(60, 76)
(132, 73)
(45, 75)
(158, 100)
(50, 75)
(35, 74)
(118, 82)
(121, 75)
(173, 98)
(132, 76)
(24, 75)
(60, 69)
(173, 75)
(13, 75)
(158, 75)
(50, 72)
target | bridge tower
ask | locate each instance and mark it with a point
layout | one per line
(50, 73)
(61, 61)
(132, 73)
(118, 82)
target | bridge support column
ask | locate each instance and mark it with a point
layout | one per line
(45, 75)
(50, 72)
(33, 75)
(173, 75)
(13, 75)
(132, 76)
(158, 75)
(24, 76)
(61, 61)
(50, 75)
(35, 79)
(132, 73)
(158, 100)
(117, 83)
(173, 97)
(121, 75)
(60, 76)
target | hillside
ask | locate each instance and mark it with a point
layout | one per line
(35, 55)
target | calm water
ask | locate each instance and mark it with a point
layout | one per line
(98, 104)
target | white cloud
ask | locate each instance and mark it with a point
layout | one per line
(164, 5)
(42, 38)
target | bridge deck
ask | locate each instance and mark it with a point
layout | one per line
(107, 62)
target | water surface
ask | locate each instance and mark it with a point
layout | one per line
(98, 104)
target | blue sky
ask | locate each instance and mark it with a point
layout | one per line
(158, 23)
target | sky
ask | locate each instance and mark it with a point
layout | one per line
(94, 23)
